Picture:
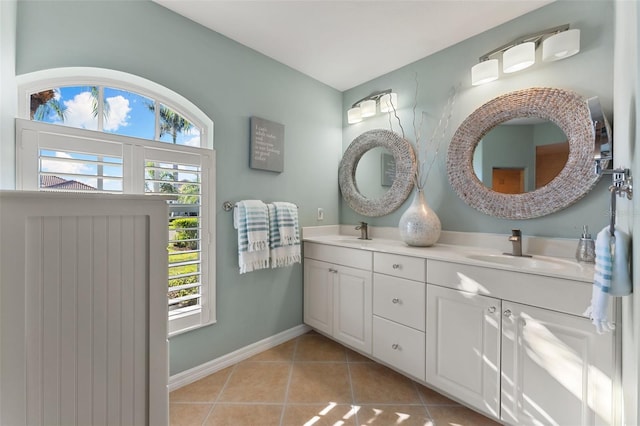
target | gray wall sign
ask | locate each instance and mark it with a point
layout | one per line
(267, 145)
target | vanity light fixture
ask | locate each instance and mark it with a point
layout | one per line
(367, 106)
(484, 72)
(519, 57)
(557, 43)
(561, 45)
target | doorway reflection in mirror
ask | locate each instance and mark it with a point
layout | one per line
(520, 155)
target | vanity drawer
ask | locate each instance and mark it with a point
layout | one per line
(557, 294)
(399, 300)
(399, 346)
(339, 255)
(412, 268)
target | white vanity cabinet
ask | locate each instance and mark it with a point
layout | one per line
(463, 346)
(399, 312)
(502, 354)
(555, 368)
(338, 293)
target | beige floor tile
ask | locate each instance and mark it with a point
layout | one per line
(181, 414)
(353, 356)
(388, 415)
(204, 390)
(450, 415)
(376, 383)
(245, 415)
(257, 382)
(322, 387)
(281, 353)
(315, 347)
(432, 397)
(319, 415)
(320, 382)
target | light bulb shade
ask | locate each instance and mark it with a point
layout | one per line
(368, 108)
(354, 115)
(561, 45)
(519, 57)
(484, 72)
(389, 102)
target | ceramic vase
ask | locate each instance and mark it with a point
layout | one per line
(419, 225)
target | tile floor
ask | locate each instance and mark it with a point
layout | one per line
(312, 380)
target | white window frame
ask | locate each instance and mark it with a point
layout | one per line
(27, 152)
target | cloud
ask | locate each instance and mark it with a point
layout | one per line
(79, 112)
(65, 167)
(194, 141)
(118, 113)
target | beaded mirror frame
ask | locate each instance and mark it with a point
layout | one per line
(569, 111)
(402, 185)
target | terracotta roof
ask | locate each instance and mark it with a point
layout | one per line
(55, 182)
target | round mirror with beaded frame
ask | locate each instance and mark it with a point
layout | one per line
(405, 167)
(569, 111)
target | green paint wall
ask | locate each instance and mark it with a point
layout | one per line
(230, 83)
(589, 73)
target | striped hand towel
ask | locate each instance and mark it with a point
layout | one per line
(250, 218)
(282, 254)
(597, 311)
(287, 222)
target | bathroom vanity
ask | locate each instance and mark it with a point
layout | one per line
(505, 336)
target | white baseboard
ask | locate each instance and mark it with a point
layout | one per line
(196, 373)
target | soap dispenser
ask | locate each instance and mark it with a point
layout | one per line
(586, 251)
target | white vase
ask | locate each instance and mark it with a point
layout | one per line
(419, 225)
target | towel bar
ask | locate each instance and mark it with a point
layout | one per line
(227, 206)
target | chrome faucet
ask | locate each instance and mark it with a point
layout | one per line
(516, 241)
(364, 230)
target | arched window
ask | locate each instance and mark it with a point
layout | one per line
(88, 129)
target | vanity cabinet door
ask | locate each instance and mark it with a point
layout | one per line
(463, 346)
(556, 370)
(318, 295)
(352, 300)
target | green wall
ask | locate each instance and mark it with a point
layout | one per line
(230, 83)
(589, 73)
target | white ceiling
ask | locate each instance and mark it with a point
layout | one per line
(346, 43)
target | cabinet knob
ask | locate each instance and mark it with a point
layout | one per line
(492, 310)
(395, 300)
(395, 346)
(507, 313)
(396, 266)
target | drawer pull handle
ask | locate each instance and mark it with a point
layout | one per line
(395, 346)
(507, 313)
(335, 271)
(396, 266)
(395, 300)
(492, 310)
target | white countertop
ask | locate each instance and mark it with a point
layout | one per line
(551, 266)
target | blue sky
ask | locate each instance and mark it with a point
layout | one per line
(128, 114)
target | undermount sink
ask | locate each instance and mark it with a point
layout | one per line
(355, 241)
(535, 262)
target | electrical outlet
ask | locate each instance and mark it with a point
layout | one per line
(320, 214)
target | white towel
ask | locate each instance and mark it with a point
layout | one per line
(250, 218)
(620, 274)
(597, 311)
(283, 254)
(286, 219)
